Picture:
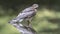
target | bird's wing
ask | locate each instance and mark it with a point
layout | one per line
(27, 9)
(23, 15)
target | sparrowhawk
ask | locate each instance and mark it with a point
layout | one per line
(26, 14)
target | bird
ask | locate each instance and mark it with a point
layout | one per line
(26, 14)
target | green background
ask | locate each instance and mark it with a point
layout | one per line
(46, 21)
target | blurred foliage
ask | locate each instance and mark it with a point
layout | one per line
(15, 6)
(47, 20)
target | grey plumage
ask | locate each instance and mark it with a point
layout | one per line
(25, 14)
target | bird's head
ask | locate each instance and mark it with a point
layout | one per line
(35, 6)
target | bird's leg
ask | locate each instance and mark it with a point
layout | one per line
(29, 22)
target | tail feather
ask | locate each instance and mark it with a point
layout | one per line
(15, 21)
(20, 20)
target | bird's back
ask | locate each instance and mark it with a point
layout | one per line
(25, 13)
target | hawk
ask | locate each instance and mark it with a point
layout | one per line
(26, 14)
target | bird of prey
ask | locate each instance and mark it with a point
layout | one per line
(26, 14)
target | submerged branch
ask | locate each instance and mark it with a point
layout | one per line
(23, 29)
